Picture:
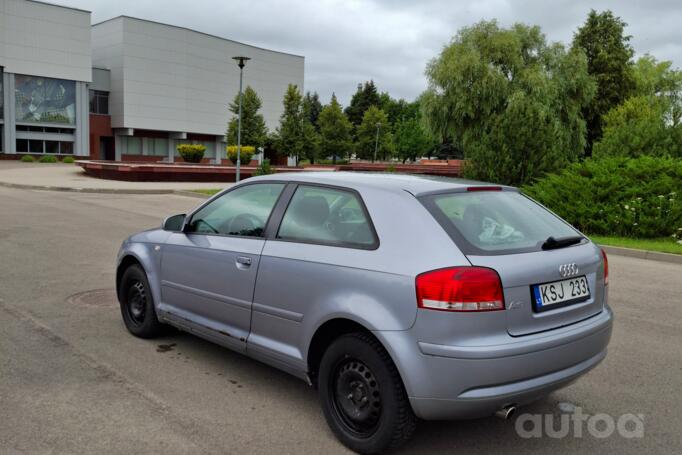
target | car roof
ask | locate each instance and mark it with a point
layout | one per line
(414, 184)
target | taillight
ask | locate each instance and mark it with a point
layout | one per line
(606, 267)
(460, 289)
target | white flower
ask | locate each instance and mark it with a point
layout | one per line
(661, 196)
(627, 207)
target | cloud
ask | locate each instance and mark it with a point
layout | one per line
(389, 41)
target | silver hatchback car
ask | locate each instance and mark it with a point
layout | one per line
(398, 297)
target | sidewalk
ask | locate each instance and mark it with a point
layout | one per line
(69, 177)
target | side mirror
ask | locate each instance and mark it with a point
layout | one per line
(174, 223)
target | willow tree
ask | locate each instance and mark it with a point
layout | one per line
(510, 99)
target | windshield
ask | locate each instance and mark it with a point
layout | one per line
(495, 222)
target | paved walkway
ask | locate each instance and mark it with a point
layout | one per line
(69, 177)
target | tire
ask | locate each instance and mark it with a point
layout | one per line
(137, 304)
(363, 396)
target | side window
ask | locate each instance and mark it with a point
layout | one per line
(328, 216)
(243, 211)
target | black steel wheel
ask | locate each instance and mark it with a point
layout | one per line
(137, 304)
(356, 397)
(362, 395)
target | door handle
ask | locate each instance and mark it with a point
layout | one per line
(243, 261)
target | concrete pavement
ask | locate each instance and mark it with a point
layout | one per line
(69, 177)
(72, 380)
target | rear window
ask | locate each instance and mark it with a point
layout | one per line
(495, 222)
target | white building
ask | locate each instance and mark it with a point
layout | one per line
(150, 86)
(45, 67)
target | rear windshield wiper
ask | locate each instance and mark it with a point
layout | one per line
(553, 243)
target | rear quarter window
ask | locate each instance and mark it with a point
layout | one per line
(327, 216)
(495, 222)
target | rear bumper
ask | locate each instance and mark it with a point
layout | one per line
(451, 382)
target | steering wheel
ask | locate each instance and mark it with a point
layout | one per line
(243, 224)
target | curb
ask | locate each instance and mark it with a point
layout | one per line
(643, 254)
(68, 189)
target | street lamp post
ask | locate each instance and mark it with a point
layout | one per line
(376, 142)
(241, 62)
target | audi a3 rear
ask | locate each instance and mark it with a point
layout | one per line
(398, 297)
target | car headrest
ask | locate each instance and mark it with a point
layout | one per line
(311, 211)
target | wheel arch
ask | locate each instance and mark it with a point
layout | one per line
(324, 336)
(127, 261)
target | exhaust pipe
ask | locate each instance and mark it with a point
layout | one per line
(506, 412)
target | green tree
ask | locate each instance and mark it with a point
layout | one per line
(335, 131)
(412, 140)
(397, 110)
(312, 107)
(660, 80)
(365, 96)
(254, 130)
(648, 123)
(290, 139)
(509, 100)
(311, 142)
(609, 62)
(375, 120)
(636, 127)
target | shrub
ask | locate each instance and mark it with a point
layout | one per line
(192, 153)
(48, 159)
(632, 197)
(27, 159)
(68, 160)
(265, 168)
(245, 154)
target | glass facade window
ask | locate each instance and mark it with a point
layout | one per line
(99, 102)
(131, 145)
(22, 145)
(35, 146)
(39, 146)
(160, 147)
(66, 148)
(45, 100)
(52, 147)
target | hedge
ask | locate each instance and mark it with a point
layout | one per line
(619, 196)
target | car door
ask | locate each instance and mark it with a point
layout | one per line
(312, 261)
(208, 272)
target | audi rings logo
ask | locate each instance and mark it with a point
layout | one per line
(567, 270)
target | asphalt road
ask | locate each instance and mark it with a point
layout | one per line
(73, 381)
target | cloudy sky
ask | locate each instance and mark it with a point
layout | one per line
(390, 41)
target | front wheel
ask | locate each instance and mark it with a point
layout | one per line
(137, 304)
(363, 397)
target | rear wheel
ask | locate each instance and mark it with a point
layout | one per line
(363, 397)
(137, 304)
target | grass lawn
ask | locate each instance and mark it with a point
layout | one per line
(663, 244)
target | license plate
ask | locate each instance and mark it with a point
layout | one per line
(556, 294)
